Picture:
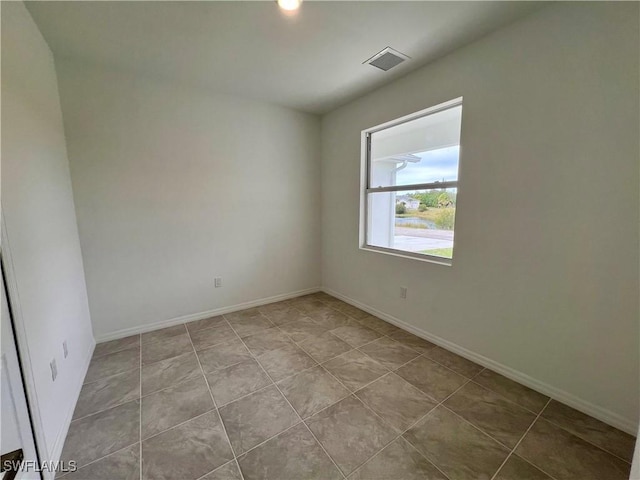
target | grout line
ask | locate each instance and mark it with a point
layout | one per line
(394, 370)
(339, 355)
(150, 342)
(157, 361)
(163, 360)
(128, 370)
(285, 398)
(224, 428)
(119, 350)
(505, 398)
(358, 399)
(291, 406)
(207, 346)
(256, 357)
(543, 418)
(108, 408)
(418, 421)
(271, 437)
(359, 346)
(581, 438)
(527, 461)
(330, 331)
(423, 456)
(179, 424)
(141, 395)
(499, 442)
(175, 384)
(222, 405)
(383, 335)
(213, 409)
(182, 380)
(217, 323)
(314, 436)
(520, 441)
(389, 371)
(218, 468)
(380, 338)
(139, 400)
(351, 392)
(96, 460)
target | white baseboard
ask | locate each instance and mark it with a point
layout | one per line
(56, 449)
(602, 414)
(201, 315)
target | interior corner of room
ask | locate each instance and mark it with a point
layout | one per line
(144, 186)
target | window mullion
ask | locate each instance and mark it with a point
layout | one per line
(420, 186)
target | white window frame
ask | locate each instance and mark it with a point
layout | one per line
(366, 189)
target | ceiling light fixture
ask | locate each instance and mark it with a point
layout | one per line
(289, 6)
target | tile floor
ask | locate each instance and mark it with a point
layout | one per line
(313, 388)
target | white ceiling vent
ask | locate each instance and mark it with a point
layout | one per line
(386, 59)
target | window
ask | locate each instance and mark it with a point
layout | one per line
(411, 186)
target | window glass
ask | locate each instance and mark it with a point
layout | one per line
(419, 151)
(420, 221)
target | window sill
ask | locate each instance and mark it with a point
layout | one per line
(414, 256)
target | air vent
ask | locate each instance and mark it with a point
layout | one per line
(387, 59)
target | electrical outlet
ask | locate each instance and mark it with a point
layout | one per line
(54, 370)
(65, 349)
(218, 282)
(403, 292)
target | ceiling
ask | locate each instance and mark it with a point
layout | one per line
(310, 62)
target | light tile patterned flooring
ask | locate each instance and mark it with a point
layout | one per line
(314, 388)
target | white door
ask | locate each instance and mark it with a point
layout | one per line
(15, 427)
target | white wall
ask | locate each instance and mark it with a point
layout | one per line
(40, 241)
(175, 186)
(545, 271)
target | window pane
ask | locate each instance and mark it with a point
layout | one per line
(423, 150)
(420, 222)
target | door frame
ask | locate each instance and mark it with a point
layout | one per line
(22, 347)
